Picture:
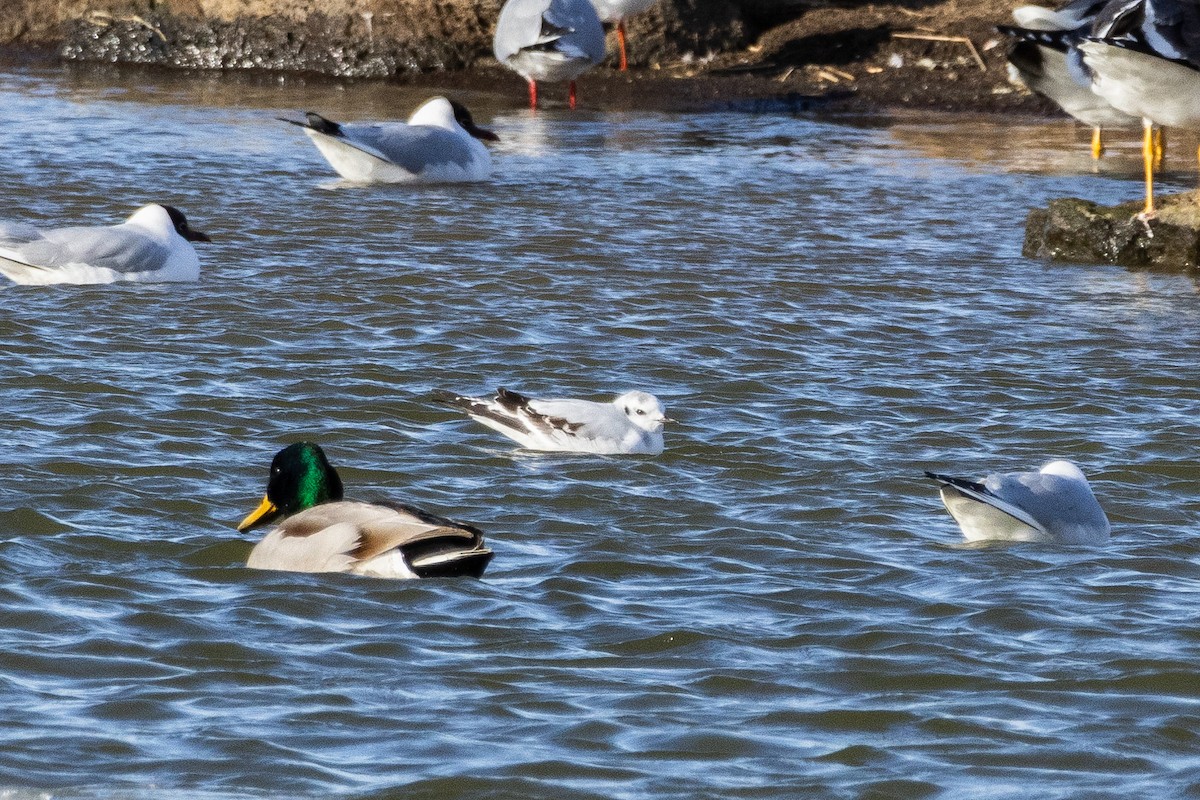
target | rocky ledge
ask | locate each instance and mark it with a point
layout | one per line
(1077, 230)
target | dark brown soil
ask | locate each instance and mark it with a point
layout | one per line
(687, 54)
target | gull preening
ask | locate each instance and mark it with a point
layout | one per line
(1054, 504)
(1045, 57)
(1144, 56)
(440, 143)
(618, 11)
(154, 244)
(630, 424)
(318, 531)
(548, 40)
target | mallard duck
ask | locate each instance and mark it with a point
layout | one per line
(318, 531)
(440, 143)
(1054, 504)
(630, 424)
(154, 244)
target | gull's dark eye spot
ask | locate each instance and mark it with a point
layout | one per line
(641, 411)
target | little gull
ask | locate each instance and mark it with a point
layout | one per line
(440, 143)
(548, 40)
(632, 423)
(321, 532)
(1145, 60)
(1054, 504)
(618, 11)
(154, 244)
(1045, 57)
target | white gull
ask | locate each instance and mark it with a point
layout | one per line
(1054, 504)
(630, 424)
(440, 143)
(154, 244)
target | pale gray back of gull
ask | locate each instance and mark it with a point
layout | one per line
(1047, 60)
(1144, 57)
(440, 143)
(153, 244)
(548, 40)
(630, 424)
(1054, 504)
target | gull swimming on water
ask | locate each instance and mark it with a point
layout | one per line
(1054, 504)
(630, 424)
(318, 531)
(440, 143)
(1145, 60)
(548, 40)
(154, 244)
(618, 11)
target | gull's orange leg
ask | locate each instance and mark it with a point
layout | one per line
(1097, 143)
(1160, 148)
(621, 43)
(571, 95)
(1148, 163)
(533, 94)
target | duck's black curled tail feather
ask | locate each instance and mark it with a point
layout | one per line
(438, 559)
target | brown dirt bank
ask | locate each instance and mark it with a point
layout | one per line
(932, 54)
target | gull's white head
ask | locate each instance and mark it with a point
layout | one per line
(163, 220)
(643, 409)
(450, 115)
(1064, 469)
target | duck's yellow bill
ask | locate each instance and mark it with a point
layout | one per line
(265, 508)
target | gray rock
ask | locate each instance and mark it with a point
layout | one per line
(1070, 229)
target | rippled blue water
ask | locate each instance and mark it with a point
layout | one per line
(775, 607)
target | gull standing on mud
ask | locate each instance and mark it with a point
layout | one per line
(1054, 504)
(1045, 57)
(1145, 60)
(154, 244)
(548, 40)
(630, 424)
(440, 143)
(618, 11)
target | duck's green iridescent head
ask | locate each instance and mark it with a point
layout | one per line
(301, 477)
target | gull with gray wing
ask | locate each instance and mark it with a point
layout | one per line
(440, 143)
(1145, 60)
(153, 244)
(1054, 504)
(1045, 57)
(548, 40)
(630, 424)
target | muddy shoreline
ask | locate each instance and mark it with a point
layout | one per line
(797, 55)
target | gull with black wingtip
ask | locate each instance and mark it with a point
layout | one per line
(630, 424)
(1054, 504)
(440, 143)
(154, 244)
